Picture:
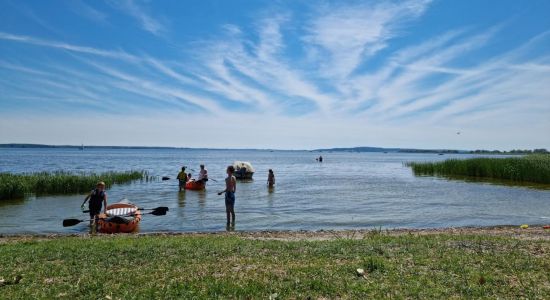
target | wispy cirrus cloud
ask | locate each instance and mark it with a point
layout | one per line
(66, 46)
(137, 11)
(87, 11)
(349, 34)
(338, 67)
(30, 14)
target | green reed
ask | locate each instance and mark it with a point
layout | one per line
(13, 186)
(531, 168)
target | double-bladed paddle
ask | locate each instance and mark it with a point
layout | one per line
(159, 211)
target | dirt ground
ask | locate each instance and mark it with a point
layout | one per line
(530, 233)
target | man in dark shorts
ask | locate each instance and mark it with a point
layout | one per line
(98, 198)
(230, 188)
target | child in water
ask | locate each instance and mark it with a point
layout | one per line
(230, 188)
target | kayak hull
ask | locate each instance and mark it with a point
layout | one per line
(195, 185)
(120, 218)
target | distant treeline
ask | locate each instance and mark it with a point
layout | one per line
(430, 151)
(518, 151)
(81, 147)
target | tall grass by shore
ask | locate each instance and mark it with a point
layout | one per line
(14, 186)
(530, 168)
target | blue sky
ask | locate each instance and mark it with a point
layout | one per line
(276, 74)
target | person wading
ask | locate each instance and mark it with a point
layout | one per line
(270, 178)
(182, 177)
(230, 188)
(203, 174)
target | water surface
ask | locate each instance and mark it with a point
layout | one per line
(346, 191)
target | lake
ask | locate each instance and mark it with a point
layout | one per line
(346, 191)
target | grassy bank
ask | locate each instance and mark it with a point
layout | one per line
(226, 266)
(13, 186)
(530, 168)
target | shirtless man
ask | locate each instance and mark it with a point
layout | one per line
(230, 188)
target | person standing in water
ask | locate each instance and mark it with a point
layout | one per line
(98, 198)
(270, 178)
(182, 177)
(203, 174)
(230, 188)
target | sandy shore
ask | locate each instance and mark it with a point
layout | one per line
(531, 233)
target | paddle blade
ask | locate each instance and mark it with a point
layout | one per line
(159, 212)
(71, 222)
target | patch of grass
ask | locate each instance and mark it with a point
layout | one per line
(13, 186)
(204, 267)
(527, 169)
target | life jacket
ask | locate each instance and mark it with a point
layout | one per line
(96, 200)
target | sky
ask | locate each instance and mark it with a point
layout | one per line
(276, 74)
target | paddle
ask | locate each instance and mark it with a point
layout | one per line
(159, 211)
(72, 222)
(168, 178)
(115, 219)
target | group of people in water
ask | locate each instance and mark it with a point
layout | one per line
(230, 187)
(97, 198)
(184, 177)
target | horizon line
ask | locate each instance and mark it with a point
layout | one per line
(22, 145)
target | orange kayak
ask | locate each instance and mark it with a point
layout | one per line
(120, 217)
(195, 185)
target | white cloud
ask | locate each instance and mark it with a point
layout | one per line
(85, 10)
(418, 96)
(349, 34)
(66, 46)
(147, 22)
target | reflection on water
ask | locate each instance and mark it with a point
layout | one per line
(181, 199)
(202, 197)
(10, 202)
(496, 181)
(346, 191)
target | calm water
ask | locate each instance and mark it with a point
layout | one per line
(346, 191)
